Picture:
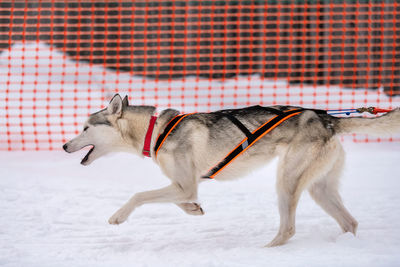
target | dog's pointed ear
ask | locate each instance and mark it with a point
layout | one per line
(115, 106)
(125, 102)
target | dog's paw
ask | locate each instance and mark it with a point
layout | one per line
(192, 208)
(120, 216)
(280, 239)
(277, 241)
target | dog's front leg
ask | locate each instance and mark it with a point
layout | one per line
(173, 193)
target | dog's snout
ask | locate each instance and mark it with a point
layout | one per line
(65, 147)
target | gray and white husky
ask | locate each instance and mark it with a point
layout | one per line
(310, 155)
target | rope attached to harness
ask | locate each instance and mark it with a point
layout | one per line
(372, 110)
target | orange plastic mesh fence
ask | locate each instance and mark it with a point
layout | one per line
(62, 60)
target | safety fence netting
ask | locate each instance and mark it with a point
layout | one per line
(62, 60)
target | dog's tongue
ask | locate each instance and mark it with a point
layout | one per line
(87, 156)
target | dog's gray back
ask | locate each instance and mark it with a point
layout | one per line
(222, 130)
(217, 135)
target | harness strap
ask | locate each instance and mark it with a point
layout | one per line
(234, 120)
(168, 129)
(249, 141)
(272, 110)
(238, 124)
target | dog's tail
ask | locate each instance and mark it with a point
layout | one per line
(379, 126)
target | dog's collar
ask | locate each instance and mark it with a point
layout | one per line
(147, 139)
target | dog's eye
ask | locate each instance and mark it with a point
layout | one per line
(84, 129)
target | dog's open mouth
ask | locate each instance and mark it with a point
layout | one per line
(86, 158)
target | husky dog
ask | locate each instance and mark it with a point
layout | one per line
(310, 155)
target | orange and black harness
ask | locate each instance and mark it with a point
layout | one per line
(250, 139)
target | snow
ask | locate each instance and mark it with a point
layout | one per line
(54, 212)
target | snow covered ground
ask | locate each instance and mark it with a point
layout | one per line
(54, 212)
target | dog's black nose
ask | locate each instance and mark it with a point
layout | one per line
(65, 147)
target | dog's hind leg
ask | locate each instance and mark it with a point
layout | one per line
(300, 165)
(289, 186)
(325, 192)
(191, 208)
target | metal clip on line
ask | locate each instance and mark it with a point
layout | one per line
(372, 110)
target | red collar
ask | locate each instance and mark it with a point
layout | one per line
(147, 139)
